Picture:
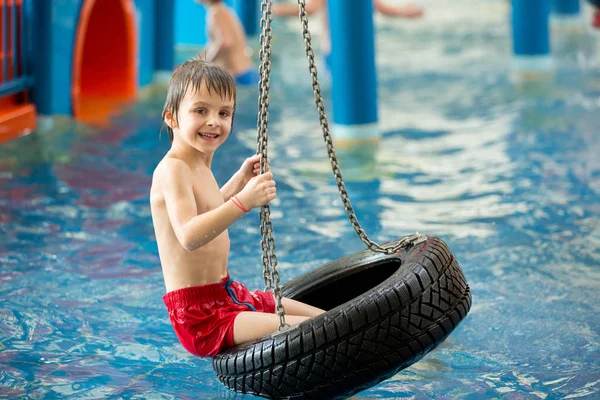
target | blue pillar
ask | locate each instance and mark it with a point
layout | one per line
(53, 41)
(249, 14)
(42, 56)
(146, 23)
(531, 36)
(567, 7)
(164, 60)
(566, 16)
(353, 71)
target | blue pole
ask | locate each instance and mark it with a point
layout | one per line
(165, 37)
(15, 52)
(353, 70)
(23, 39)
(531, 36)
(567, 14)
(41, 55)
(4, 41)
(27, 22)
(248, 11)
(567, 7)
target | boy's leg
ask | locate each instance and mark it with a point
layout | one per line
(250, 325)
(293, 307)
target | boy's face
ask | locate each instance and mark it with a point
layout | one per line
(204, 119)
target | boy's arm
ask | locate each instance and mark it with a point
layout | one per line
(192, 230)
(232, 187)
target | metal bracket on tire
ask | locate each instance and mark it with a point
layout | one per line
(416, 239)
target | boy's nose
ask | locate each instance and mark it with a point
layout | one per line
(213, 121)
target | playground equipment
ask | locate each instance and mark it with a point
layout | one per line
(353, 70)
(375, 324)
(17, 114)
(79, 57)
(567, 17)
(104, 67)
(531, 33)
(86, 57)
(531, 36)
(567, 8)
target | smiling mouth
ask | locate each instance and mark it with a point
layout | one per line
(208, 135)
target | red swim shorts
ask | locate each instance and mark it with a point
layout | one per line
(203, 316)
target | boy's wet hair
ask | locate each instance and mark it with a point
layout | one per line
(190, 76)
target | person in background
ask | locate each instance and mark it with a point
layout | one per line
(227, 45)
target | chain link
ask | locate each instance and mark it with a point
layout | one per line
(269, 259)
(337, 173)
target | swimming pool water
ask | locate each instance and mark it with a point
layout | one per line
(508, 175)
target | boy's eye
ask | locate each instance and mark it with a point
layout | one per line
(201, 111)
(224, 114)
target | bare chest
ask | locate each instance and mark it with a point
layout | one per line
(207, 194)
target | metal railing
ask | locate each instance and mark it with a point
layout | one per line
(15, 36)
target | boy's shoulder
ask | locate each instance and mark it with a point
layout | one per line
(170, 168)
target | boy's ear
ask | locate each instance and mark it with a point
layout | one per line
(169, 120)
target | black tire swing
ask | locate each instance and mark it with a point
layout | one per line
(387, 306)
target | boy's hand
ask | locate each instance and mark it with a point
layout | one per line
(259, 191)
(251, 168)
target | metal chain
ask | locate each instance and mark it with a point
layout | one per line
(337, 173)
(269, 259)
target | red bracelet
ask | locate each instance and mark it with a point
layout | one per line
(238, 203)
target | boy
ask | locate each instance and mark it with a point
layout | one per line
(227, 45)
(191, 214)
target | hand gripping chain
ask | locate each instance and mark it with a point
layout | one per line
(269, 259)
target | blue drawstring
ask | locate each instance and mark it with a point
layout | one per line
(232, 295)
